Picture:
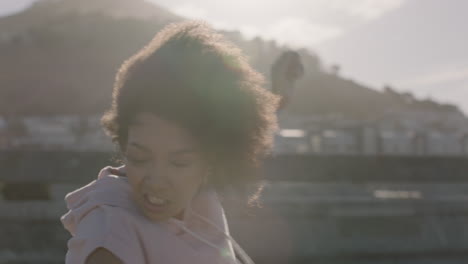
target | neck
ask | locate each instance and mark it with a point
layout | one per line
(180, 216)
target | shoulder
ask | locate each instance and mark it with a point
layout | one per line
(108, 232)
(103, 220)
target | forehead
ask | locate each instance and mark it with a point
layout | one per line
(150, 129)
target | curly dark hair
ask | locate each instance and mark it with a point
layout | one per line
(190, 75)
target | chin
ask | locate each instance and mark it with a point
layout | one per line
(157, 218)
(160, 216)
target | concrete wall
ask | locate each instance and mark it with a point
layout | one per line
(82, 167)
(315, 209)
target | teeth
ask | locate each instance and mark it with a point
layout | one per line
(155, 200)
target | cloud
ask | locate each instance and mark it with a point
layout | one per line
(298, 23)
(366, 9)
(11, 6)
(294, 32)
(435, 78)
(192, 11)
(300, 32)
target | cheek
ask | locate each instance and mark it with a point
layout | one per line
(134, 177)
(187, 186)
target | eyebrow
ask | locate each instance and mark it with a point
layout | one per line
(140, 146)
(176, 152)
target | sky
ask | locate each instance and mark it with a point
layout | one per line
(411, 45)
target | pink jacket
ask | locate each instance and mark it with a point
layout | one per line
(102, 214)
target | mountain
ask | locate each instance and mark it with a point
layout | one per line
(46, 10)
(60, 57)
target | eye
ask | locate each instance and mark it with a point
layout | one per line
(180, 164)
(136, 161)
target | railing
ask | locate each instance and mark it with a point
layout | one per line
(315, 209)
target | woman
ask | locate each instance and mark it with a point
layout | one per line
(191, 119)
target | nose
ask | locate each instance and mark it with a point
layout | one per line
(156, 179)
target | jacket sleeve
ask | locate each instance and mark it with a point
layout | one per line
(106, 227)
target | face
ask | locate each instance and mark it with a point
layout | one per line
(165, 166)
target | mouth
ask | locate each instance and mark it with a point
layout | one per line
(154, 204)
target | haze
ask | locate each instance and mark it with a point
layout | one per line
(412, 45)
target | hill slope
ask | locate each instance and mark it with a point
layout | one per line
(60, 57)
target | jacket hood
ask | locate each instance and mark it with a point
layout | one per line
(203, 219)
(110, 188)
